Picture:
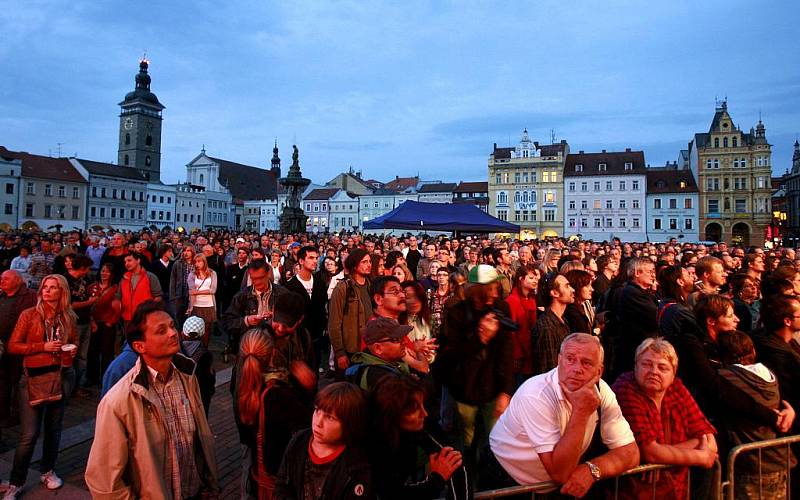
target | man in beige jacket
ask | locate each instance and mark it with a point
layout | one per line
(152, 439)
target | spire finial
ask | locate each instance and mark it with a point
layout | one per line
(203, 149)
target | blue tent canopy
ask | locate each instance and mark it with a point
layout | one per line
(420, 216)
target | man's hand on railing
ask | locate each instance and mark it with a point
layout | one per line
(579, 482)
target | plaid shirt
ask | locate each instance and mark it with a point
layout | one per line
(679, 420)
(548, 334)
(179, 422)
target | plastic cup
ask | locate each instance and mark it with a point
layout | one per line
(68, 354)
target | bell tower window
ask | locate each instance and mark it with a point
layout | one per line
(127, 138)
(201, 178)
(149, 140)
(127, 161)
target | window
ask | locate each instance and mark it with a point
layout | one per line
(75, 210)
(713, 206)
(597, 222)
(740, 206)
(9, 209)
(9, 188)
(549, 197)
(516, 178)
(127, 138)
(122, 213)
(673, 203)
(93, 211)
(48, 190)
(584, 204)
(623, 204)
(579, 167)
(572, 204)
(584, 186)
(622, 186)
(127, 161)
(657, 203)
(152, 214)
(122, 195)
(724, 142)
(572, 223)
(609, 222)
(687, 203)
(735, 141)
(497, 179)
(30, 188)
(502, 214)
(601, 167)
(635, 204)
(113, 212)
(549, 215)
(609, 204)
(739, 183)
(656, 223)
(147, 160)
(517, 215)
(76, 194)
(760, 182)
(114, 194)
(148, 141)
(584, 222)
(609, 186)
(102, 211)
(29, 210)
(716, 142)
(597, 185)
(687, 223)
(572, 187)
(712, 184)
(169, 200)
(48, 211)
(673, 224)
(628, 165)
(635, 222)
(635, 185)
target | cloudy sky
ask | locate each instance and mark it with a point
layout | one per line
(400, 87)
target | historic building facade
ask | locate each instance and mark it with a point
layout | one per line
(343, 208)
(526, 186)
(605, 195)
(671, 204)
(117, 195)
(733, 172)
(792, 187)
(140, 128)
(10, 173)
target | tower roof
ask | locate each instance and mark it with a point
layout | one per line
(141, 94)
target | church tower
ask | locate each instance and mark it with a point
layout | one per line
(796, 158)
(276, 161)
(140, 128)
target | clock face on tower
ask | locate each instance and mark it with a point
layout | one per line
(128, 123)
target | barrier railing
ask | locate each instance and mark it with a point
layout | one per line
(549, 486)
(728, 487)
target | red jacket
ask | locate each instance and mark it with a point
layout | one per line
(131, 298)
(28, 340)
(523, 312)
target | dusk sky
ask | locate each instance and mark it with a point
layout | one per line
(397, 88)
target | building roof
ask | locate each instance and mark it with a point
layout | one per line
(544, 150)
(614, 161)
(382, 192)
(321, 194)
(246, 182)
(402, 183)
(670, 179)
(472, 187)
(111, 170)
(440, 187)
(44, 167)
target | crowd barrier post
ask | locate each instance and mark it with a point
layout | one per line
(728, 487)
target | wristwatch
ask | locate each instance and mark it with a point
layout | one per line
(594, 470)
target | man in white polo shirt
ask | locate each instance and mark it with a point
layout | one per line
(549, 424)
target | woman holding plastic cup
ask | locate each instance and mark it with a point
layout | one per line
(46, 337)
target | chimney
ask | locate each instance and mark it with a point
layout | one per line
(495, 147)
(563, 141)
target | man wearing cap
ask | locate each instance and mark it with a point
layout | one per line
(476, 357)
(385, 351)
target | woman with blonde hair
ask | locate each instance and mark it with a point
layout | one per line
(202, 283)
(402, 272)
(269, 412)
(46, 336)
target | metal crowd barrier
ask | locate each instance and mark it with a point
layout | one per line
(728, 487)
(549, 486)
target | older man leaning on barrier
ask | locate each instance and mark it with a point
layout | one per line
(548, 427)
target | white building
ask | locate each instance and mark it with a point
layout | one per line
(343, 208)
(219, 210)
(437, 192)
(117, 195)
(261, 215)
(316, 208)
(604, 195)
(161, 199)
(383, 200)
(10, 172)
(190, 205)
(672, 210)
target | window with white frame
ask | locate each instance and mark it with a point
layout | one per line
(622, 186)
(687, 224)
(571, 187)
(635, 222)
(635, 185)
(584, 186)
(635, 203)
(572, 204)
(623, 204)
(713, 206)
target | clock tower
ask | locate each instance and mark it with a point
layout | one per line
(140, 128)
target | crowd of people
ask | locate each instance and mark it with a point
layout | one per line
(400, 366)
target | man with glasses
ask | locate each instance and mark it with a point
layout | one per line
(384, 354)
(388, 298)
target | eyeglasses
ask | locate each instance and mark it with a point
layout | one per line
(394, 291)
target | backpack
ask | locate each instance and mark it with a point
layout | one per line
(357, 373)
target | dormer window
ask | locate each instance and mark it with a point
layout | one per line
(661, 184)
(628, 166)
(683, 184)
(579, 167)
(601, 167)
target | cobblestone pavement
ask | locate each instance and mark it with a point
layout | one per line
(76, 441)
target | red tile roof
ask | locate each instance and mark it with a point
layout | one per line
(44, 167)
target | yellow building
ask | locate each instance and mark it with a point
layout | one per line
(526, 186)
(733, 171)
